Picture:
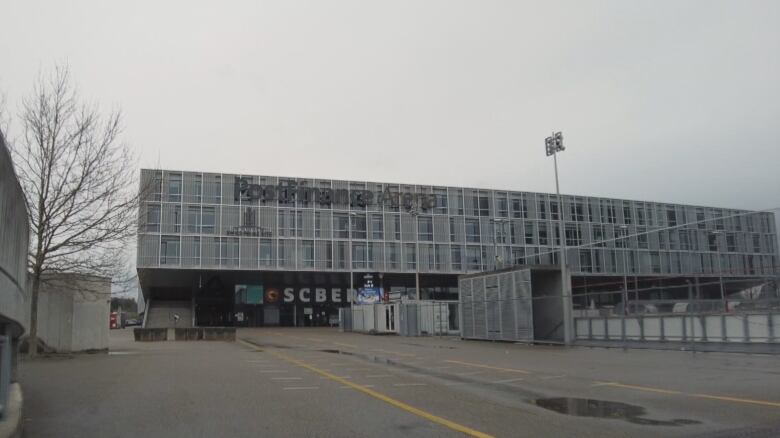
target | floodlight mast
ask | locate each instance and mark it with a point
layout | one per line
(553, 145)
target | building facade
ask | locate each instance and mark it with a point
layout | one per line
(294, 232)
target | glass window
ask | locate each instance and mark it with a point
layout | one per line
(340, 225)
(377, 227)
(153, 218)
(209, 220)
(307, 253)
(358, 255)
(484, 205)
(359, 226)
(473, 258)
(174, 187)
(410, 255)
(170, 250)
(266, 252)
(425, 228)
(193, 219)
(456, 256)
(472, 230)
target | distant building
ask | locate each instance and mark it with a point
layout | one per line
(263, 250)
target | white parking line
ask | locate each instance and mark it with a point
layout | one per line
(553, 377)
(293, 388)
(377, 376)
(410, 384)
(509, 380)
(286, 378)
(272, 371)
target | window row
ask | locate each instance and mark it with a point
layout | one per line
(208, 188)
(272, 222)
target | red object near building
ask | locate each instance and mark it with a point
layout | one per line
(113, 321)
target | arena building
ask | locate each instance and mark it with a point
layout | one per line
(246, 250)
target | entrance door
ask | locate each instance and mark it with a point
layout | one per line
(270, 316)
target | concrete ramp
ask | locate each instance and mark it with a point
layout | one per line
(161, 314)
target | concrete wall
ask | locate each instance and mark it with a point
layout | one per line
(73, 312)
(14, 243)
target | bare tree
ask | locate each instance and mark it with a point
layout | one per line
(80, 185)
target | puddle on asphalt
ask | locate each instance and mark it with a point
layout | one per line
(337, 352)
(585, 407)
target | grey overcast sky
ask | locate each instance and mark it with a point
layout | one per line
(673, 101)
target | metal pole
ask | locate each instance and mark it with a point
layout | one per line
(495, 246)
(351, 292)
(565, 288)
(722, 289)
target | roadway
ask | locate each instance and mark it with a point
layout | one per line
(322, 383)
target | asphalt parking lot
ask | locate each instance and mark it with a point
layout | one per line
(323, 383)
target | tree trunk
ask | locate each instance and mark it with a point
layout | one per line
(32, 339)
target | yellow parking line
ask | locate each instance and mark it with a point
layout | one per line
(773, 404)
(345, 345)
(478, 365)
(378, 395)
(640, 388)
(739, 400)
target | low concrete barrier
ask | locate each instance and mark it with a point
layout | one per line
(188, 334)
(219, 333)
(205, 334)
(150, 334)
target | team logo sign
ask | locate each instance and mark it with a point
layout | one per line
(271, 296)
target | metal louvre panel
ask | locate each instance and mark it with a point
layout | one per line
(467, 307)
(212, 188)
(228, 192)
(230, 218)
(191, 187)
(460, 229)
(150, 181)
(377, 190)
(308, 224)
(442, 258)
(191, 218)
(393, 249)
(523, 305)
(425, 256)
(340, 185)
(229, 256)
(267, 221)
(390, 222)
(377, 259)
(506, 300)
(325, 224)
(455, 201)
(148, 250)
(492, 307)
(267, 252)
(209, 252)
(441, 229)
(468, 202)
(323, 254)
(408, 228)
(190, 251)
(249, 248)
(480, 323)
(171, 218)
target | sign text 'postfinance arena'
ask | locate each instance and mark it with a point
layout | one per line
(290, 190)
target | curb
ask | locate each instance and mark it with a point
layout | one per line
(11, 422)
